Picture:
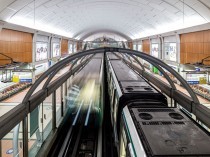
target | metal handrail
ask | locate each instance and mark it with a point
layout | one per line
(59, 64)
(55, 72)
(158, 67)
(150, 58)
(24, 107)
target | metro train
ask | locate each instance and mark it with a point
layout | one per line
(86, 85)
(144, 125)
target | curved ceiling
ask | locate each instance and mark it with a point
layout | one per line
(89, 35)
(130, 19)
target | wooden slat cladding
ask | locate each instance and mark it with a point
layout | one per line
(17, 45)
(64, 47)
(130, 45)
(79, 45)
(146, 46)
(194, 47)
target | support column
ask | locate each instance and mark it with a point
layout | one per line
(0, 149)
(54, 110)
(34, 56)
(62, 100)
(65, 88)
(25, 136)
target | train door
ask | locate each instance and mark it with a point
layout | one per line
(112, 104)
(125, 147)
(115, 107)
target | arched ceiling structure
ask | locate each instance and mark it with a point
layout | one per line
(130, 19)
(92, 35)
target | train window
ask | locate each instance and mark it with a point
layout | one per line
(112, 99)
(122, 147)
(112, 89)
(115, 108)
(129, 151)
(124, 150)
(113, 96)
(111, 85)
(110, 76)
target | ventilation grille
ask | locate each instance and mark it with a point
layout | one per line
(162, 123)
(155, 110)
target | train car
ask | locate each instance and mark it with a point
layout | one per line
(144, 125)
(127, 86)
(160, 132)
(86, 86)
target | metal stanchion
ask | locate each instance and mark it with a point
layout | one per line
(54, 110)
(25, 136)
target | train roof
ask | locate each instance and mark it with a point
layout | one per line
(91, 71)
(123, 72)
(98, 56)
(168, 132)
(112, 56)
(137, 87)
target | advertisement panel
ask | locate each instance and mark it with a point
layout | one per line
(41, 51)
(22, 77)
(170, 52)
(155, 50)
(75, 48)
(139, 47)
(56, 49)
(70, 48)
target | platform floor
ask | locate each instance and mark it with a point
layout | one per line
(202, 100)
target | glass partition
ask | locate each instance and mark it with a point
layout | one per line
(35, 136)
(58, 107)
(47, 116)
(12, 143)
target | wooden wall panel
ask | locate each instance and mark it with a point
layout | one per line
(146, 46)
(64, 47)
(79, 45)
(130, 45)
(17, 45)
(194, 47)
(206, 48)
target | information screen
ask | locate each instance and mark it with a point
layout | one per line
(56, 49)
(41, 51)
(170, 52)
